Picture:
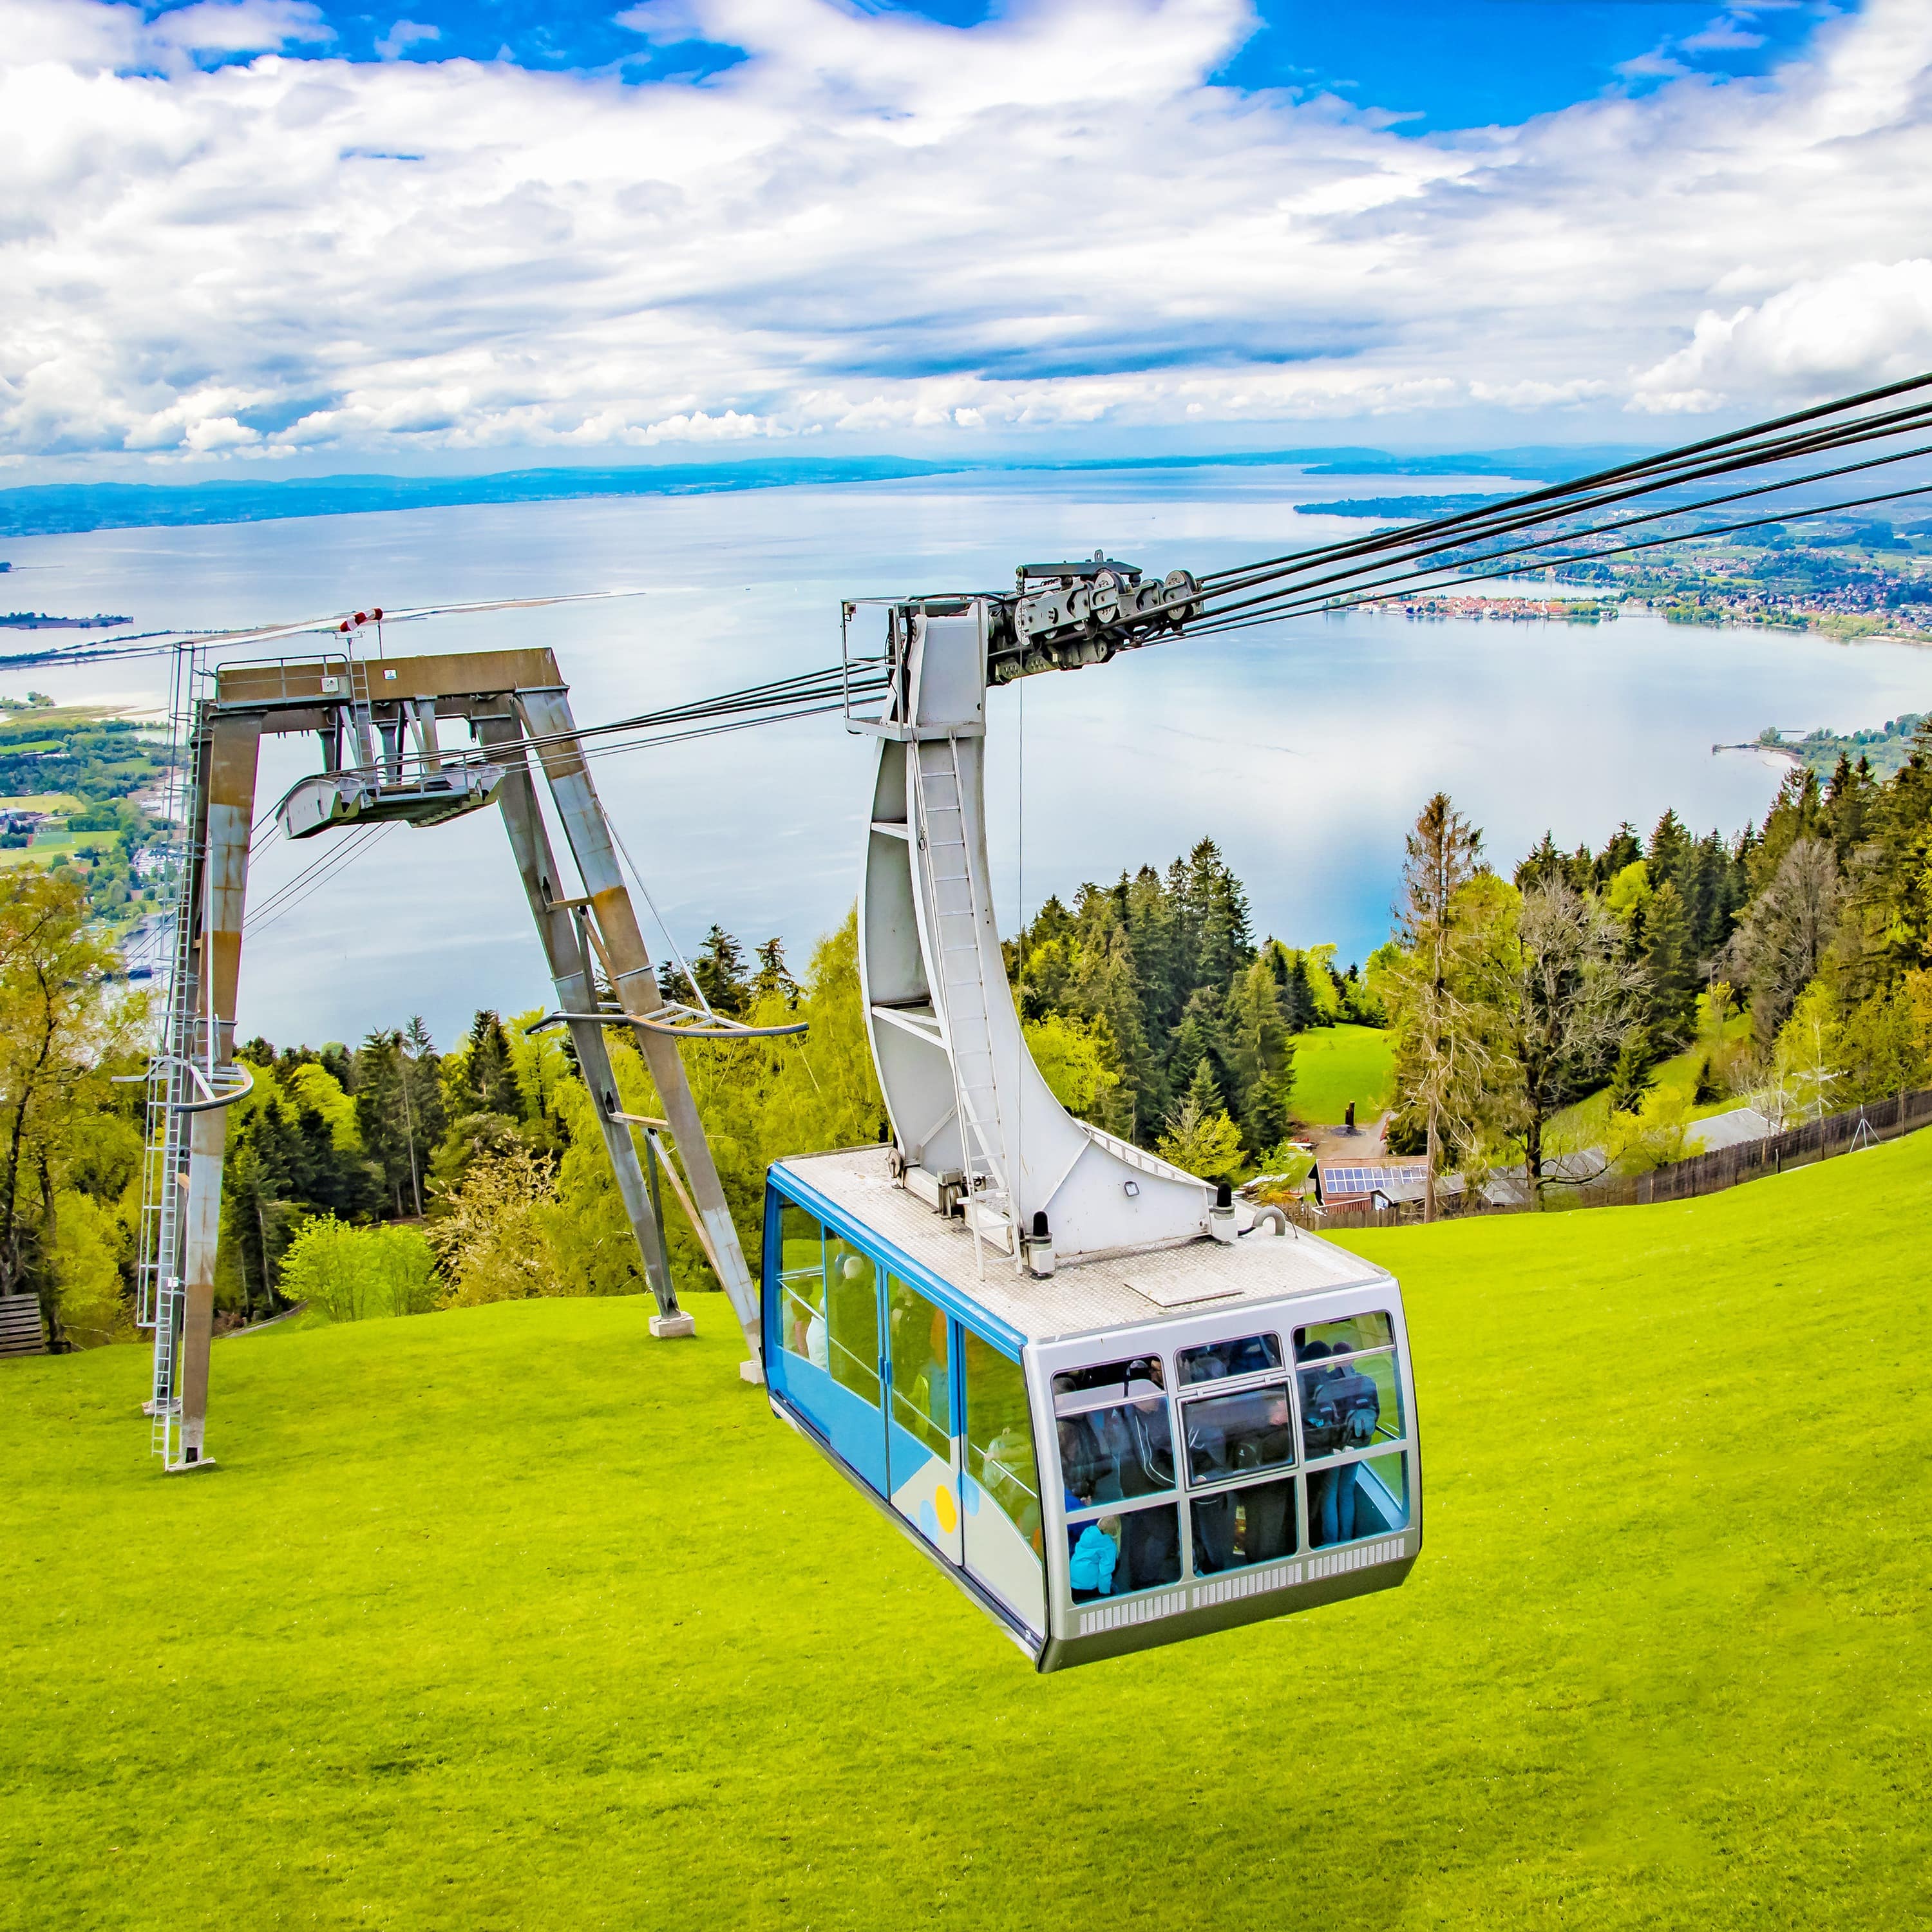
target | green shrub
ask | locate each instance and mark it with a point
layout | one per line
(351, 1274)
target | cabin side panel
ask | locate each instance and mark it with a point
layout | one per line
(821, 1325)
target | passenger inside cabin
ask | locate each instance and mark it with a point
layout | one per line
(1008, 1463)
(1080, 1470)
(1090, 1572)
(932, 1386)
(805, 1331)
(1151, 1548)
(1331, 1505)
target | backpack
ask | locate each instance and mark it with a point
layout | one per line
(1340, 1412)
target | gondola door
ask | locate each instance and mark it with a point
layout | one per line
(922, 1435)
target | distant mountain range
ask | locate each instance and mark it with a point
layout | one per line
(60, 509)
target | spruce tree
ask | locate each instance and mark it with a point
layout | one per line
(1670, 968)
(1440, 1055)
(1624, 848)
(1544, 865)
(487, 1075)
(773, 977)
(1204, 1090)
(1216, 916)
(719, 970)
(1261, 1056)
(1187, 1053)
(1631, 1078)
(1848, 800)
(1151, 920)
(1797, 812)
(1670, 851)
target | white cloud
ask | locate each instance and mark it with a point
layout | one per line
(239, 27)
(880, 227)
(1872, 321)
(405, 35)
(1726, 34)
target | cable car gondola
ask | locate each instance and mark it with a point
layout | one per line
(1116, 1416)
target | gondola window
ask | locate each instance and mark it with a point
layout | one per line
(1005, 1537)
(1236, 1528)
(801, 1279)
(921, 1367)
(852, 1317)
(1116, 1444)
(1252, 1354)
(1231, 1435)
(1350, 1397)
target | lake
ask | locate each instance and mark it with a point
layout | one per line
(1304, 749)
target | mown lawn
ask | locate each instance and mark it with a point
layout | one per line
(1334, 1065)
(515, 1618)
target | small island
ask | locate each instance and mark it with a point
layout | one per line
(39, 620)
(1881, 750)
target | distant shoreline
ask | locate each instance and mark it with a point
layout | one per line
(72, 509)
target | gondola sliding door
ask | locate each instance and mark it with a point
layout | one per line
(923, 1456)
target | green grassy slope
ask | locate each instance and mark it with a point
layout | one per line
(1334, 1065)
(514, 1618)
(1585, 1122)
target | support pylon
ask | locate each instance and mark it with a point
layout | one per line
(511, 700)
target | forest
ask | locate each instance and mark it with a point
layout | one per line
(1792, 961)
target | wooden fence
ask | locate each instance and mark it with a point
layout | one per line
(1797, 1147)
(1681, 1181)
(20, 1331)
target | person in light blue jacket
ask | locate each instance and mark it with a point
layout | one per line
(1090, 1572)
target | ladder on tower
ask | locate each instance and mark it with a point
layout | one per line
(158, 1289)
(963, 996)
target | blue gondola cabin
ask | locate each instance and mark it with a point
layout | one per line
(1131, 1450)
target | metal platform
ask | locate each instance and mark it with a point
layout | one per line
(327, 799)
(1116, 1291)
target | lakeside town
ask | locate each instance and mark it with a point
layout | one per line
(1866, 578)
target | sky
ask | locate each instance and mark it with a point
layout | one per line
(262, 237)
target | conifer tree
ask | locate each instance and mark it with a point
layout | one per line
(1543, 865)
(1797, 812)
(1440, 1055)
(1215, 916)
(1204, 1090)
(1631, 1078)
(1261, 1055)
(1670, 968)
(1669, 853)
(773, 980)
(719, 970)
(487, 1075)
(1624, 848)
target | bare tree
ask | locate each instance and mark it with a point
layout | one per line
(1566, 993)
(1441, 1057)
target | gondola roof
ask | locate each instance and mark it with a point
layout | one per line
(1120, 1290)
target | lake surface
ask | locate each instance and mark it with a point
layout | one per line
(1305, 749)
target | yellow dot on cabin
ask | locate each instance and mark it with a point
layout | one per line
(947, 1510)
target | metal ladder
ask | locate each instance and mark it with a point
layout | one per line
(369, 748)
(164, 1196)
(159, 1295)
(942, 830)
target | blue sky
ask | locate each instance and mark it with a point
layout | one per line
(317, 236)
(1438, 63)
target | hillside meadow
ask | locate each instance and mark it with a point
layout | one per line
(511, 1618)
(1334, 1065)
